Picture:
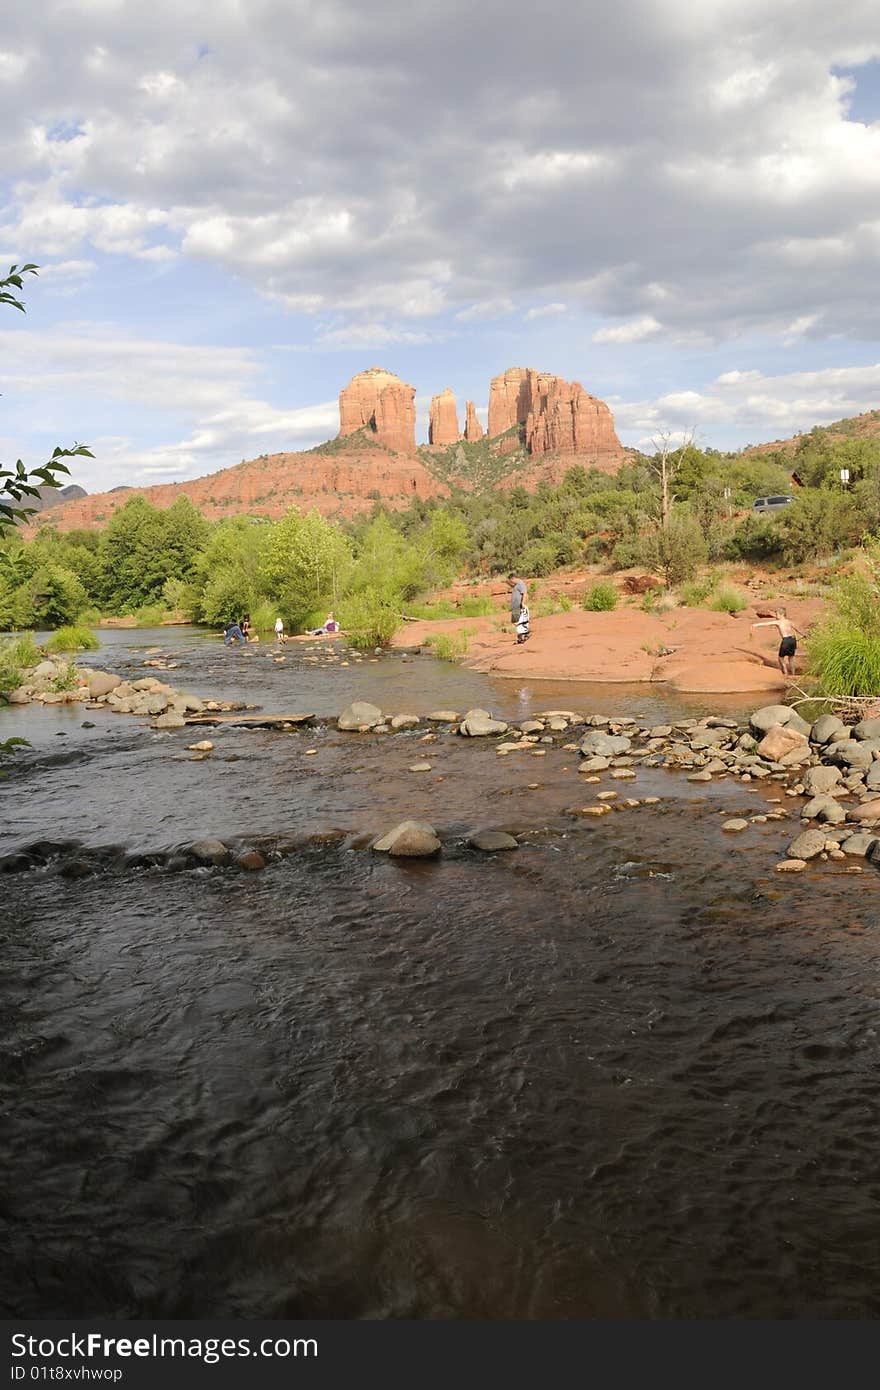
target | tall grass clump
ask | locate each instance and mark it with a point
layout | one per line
(72, 639)
(726, 599)
(368, 620)
(450, 646)
(601, 598)
(695, 593)
(15, 657)
(843, 652)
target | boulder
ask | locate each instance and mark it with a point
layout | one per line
(867, 810)
(443, 716)
(825, 809)
(872, 777)
(860, 843)
(251, 860)
(45, 670)
(101, 683)
(791, 866)
(827, 729)
(21, 696)
(172, 720)
(193, 704)
(603, 745)
(359, 715)
(150, 703)
(708, 738)
(209, 852)
(763, 720)
(404, 721)
(867, 728)
(807, 845)
(736, 824)
(779, 741)
(849, 753)
(412, 839)
(818, 781)
(594, 764)
(492, 840)
(477, 723)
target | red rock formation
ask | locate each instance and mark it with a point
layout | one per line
(385, 404)
(443, 424)
(473, 430)
(566, 419)
(560, 417)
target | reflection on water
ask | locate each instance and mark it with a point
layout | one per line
(623, 1072)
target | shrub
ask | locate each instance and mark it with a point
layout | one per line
(73, 639)
(66, 679)
(89, 617)
(475, 607)
(150, 615)
(450, 646)
(368, 620)
(726, 599)
(20, 652)
(845, 660)
(695, 594)
(540, 557)
(601, 598)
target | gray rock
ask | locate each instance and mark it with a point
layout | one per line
(824, 808)
(849, 753)
(101, 683)
(412, 839)
(405, 721)
(807, 845)
(867, 728)
(172, 720)
(46, 670)
(443, 716)
(763, 719)
(150, 704)
(532, 726)
(359, 715)
(736, 824)
(872, 778)
(708, 738)
(604, 745)
(818, 781)
(700, 777)
(209, 852)
(478, 723)
(860, 843)
(595, 764)
(799, 724)
(193, 704)
(492, 840)
(828, 729)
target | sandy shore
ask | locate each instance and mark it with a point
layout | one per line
(690, 649)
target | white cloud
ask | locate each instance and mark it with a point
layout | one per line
(544, 311)
(486, 310)
(633, 332)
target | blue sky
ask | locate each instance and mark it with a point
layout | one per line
(236, 208)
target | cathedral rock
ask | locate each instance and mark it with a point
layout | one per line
(559, 417)
(443, 422)
(385, 404)
(473, 430)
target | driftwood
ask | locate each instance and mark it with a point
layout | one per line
(253, 721)
(850, 708)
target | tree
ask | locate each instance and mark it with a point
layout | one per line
(19, 483)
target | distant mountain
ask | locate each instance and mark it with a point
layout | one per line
(865, 426)
(50, 497)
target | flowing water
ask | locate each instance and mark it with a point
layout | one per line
(627, 1071)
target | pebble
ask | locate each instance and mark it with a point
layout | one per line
(791, 866)
(310, 752)
(735, 824)
(203, 746)
(606, 796)
(421, 767)
(622, 774)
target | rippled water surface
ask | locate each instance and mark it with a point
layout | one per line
(624, 1072)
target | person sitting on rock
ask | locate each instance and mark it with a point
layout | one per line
(330, 625)
(233, 631)
(788, 645)
(245, 626)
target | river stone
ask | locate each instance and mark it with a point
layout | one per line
(595, 764)
(359, 715)
(558, 726)
(780, 741)
(867, 728)
(708, 738)
(825, 809)
(807, 845)
(492, 840)
(172, 720)
(660, 731)
(45, 670)
(763, 720)
(532, 726)
(421, 767)
(21, 696)
(860, 843)
(872, 777)
(209, 852)
(868, 810)
(849, 753)
(735, 824)
(477, 723)
(604, 745)
(404, 721)
(250, 859)
(791, 866)
(193, 704)
(700, 776)
(101, 683)
(818, 781)
(827, 729)
(443, 716)
(203, 746)
(412, 839)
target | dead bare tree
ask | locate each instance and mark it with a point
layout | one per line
(665, 464)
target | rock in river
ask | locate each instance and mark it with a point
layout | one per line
(360, 715)
(492, 840)
(412, 839)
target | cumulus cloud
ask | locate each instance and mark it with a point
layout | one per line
(344, 161)
(633, 332)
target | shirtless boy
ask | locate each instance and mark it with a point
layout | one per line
(789, 635)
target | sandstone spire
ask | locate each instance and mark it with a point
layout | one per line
(443, 424)
(385, 404)
(473, 430)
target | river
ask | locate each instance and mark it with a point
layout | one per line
(627, 1071)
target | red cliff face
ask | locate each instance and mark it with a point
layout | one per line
(559, 417)
(385, 404)
(473, 430)
(443, 423)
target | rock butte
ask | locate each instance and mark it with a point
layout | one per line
(385, 404)
(443, 424)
